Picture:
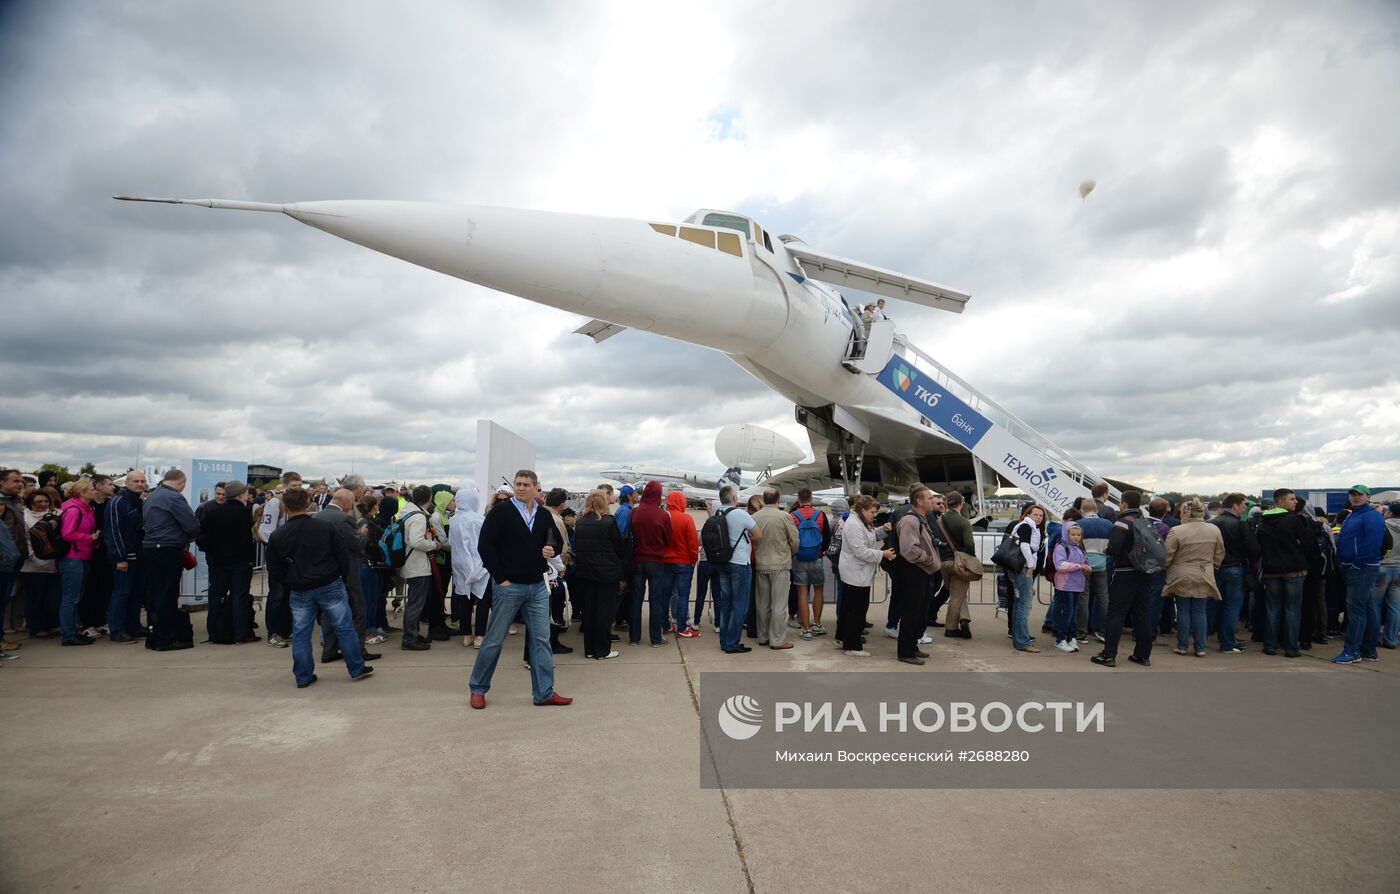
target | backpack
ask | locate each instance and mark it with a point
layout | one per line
(1147, 553)
(714, 537)
(892, 541)
(46, 538)
(393, 543)
(809, 534)
(833, 549)
(1047, 564)
(219, 621)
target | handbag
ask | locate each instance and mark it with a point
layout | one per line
(189, 561)
(965, 567)
(1008, 555)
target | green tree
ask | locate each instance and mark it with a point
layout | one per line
(87, 470)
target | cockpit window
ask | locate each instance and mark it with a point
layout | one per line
(728, 221)
(698, 236)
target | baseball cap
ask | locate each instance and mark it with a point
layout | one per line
(1360, 489)
(628, 490)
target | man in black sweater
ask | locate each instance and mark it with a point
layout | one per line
(226, 536)
(514, 547)
(1284, 538)
(310, 559)
(1127, 588)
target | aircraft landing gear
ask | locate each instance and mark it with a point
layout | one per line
(852, 453)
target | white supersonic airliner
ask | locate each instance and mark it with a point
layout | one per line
(881, 414)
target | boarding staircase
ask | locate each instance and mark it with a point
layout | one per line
(873, 355)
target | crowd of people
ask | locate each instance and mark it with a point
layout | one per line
(94, 560)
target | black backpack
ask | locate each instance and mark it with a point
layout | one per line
(1147, 553)
(219, 621)
(714, 537)
(46, 538)
(892, 541)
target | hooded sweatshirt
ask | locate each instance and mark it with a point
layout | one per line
(1069, 576)
(685, 541)
(469, 575)
(651, 526)
(1284, 538)
(440, 520)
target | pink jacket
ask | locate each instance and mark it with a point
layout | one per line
(79, 522)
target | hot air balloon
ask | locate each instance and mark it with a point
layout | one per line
(1085, 188)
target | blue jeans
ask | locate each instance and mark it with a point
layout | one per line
(530, 601)
(1230, 581)
(735, 582)
(1363, 609)
(1388, 592)
(678, 593)
(706, 580)
(72, 572)
(128, 598)
(332, 600)
(1283, 595)
(1191, 619)
(1021, 613)
(1066, 606)
(1154, 602)
(657, 591)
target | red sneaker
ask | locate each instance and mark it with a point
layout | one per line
(478, 700)
(689, 633)
(555, 699)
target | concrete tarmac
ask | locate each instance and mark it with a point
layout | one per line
(207, 770)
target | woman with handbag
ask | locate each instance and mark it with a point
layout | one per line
(961, 569)
(1194, 550)
(79, 531)
(860, 558)
(1030, 534)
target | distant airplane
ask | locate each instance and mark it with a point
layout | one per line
(700, 480)
(880, 413)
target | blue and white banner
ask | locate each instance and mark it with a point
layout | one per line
(1026, 467)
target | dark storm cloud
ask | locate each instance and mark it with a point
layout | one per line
(1217, 309)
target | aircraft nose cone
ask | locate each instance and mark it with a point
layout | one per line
(545, 256)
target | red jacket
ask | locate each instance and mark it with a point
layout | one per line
(650, 526)
(685, 542)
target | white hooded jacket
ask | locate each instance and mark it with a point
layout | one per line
(469, 576)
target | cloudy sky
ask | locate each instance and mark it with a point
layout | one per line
(1221, 312)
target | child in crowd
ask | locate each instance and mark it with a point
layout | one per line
(1071, 565)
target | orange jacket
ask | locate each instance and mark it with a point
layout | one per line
(684, 548)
